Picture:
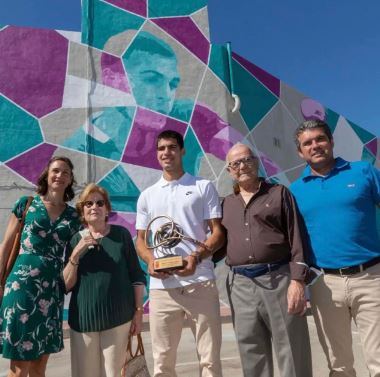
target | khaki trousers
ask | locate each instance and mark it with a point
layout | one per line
(336, 300)
(168, 309)
(99, 354)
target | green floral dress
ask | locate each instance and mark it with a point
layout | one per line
(32, 308)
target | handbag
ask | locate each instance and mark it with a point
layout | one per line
(16, 244)
(135, 364)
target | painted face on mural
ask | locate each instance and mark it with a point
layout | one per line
(154, 80)
(151, 66)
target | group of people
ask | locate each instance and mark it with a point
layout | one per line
(277, 240)
(274, 239)
(100, 269)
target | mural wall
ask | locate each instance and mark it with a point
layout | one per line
(139, 67)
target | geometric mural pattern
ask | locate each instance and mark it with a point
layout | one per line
(137, 68)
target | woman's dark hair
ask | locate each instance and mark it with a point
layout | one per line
(42, 182)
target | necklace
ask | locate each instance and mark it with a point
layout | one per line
(100, 236)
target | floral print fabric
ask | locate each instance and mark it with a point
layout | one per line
(32, 306)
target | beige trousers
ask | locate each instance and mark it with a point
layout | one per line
(168, 309)
(99, 354)
(335, 301)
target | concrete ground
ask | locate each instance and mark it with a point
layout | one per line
(187, 366)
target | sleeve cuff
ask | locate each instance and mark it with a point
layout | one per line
(298, 271)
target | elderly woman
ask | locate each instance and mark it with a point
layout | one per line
(107, 286)
(32, 305)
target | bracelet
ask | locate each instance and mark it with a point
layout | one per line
(139, 308)
(197, 256)
(73, 263)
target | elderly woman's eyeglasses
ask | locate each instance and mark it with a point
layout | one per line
(235, 165)
(90, 203)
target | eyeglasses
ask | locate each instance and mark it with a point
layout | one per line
(249, 161)
(90, 203)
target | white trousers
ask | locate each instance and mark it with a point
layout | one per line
(99, 354)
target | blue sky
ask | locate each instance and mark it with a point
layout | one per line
(329, 50)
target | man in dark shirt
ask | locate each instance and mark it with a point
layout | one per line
(266, 281)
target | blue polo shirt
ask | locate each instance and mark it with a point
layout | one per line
(340, 213)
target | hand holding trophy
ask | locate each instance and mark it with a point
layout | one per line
(165, 238)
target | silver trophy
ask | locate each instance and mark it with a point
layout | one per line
(165, 238)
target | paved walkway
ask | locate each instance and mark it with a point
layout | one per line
(187, 366)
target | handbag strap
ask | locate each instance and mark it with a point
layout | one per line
(17, 236)
(139, 349)
(28, 203)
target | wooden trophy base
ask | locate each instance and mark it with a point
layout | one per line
(168, 263)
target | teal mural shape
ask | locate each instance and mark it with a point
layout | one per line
(122, 190)
(160, 8)
(332, 119)
(363, 134)
(368, 156)
(106, 133)
(218, 63)
(194, 153)
(109, 21)
(182, 109)
(19, 130)
(256, 100)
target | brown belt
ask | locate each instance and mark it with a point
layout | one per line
(352, 270)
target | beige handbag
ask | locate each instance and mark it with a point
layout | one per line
(135, 364)
(13, 254)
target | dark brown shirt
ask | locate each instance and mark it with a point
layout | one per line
(266, 230)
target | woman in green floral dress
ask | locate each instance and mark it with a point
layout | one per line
(32, 298)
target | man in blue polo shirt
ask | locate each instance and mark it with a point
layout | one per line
(337, 200)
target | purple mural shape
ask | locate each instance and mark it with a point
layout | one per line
(134, 6)
(33, 69)
(372, 146)
(113, 73)
(187, 32)
(222, 141)
(141, 145)
(214, 134)
(39, 156)
(127, 220)
(312, 109)
(271, 168)
(271, 82)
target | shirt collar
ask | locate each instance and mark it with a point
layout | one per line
(163, 182)
(339, 165)
(263, 186)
